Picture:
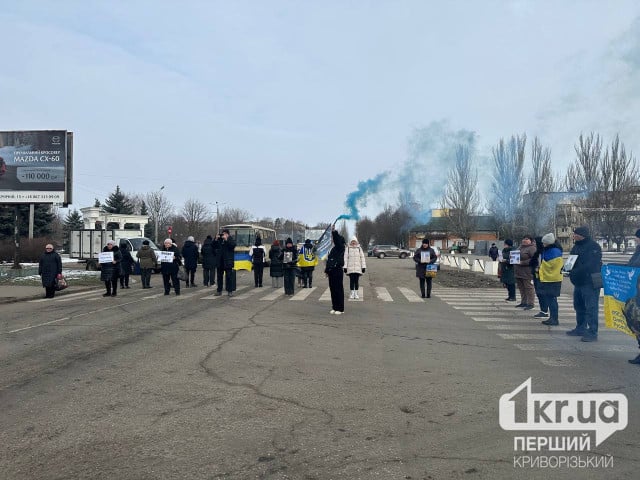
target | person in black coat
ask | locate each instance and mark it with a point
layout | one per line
(226, 260)
(126, 265)
(50, 270)
(425, 255)
(111, 270)
(169, 270)
(586, 294)
(209, 257)
(276, 270)
(289, 258)
(190, 256)
(333, 269)
(258, 256)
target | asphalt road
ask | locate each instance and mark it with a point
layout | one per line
(147, 386)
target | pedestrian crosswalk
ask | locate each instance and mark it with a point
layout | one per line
(550, 345)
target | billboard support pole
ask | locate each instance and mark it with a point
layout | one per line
(31, 220)
(16, 234)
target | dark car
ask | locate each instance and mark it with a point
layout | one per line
(382, 251)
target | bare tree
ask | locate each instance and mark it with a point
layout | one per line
(538, 209)
(461, 198)
(230, 216)
(364, 231)
(507, 186)
(160, 211)
(195, 214)
(583, 174)
(392, 226)
(615, 199)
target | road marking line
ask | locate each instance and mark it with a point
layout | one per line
(273, 295)
(528, 336)
(383, 294)
(558, 361)
(531, 327)
(326, 296)
(410, 294)
(302, 294)
(39, 325)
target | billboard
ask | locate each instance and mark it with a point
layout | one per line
(35, 166)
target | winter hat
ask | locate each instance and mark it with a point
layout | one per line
(353, 239)
(258, 241)
(582, 231)
(425, 241)
(145, 242)
(307, 242)
(509, 242)
(209, 237)
(288, 241)
(111, 242)
(549, 239)
(189, 238)
(275, 243)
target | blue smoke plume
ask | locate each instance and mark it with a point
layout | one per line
(422, 177)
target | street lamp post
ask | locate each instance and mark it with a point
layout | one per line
(157, 212)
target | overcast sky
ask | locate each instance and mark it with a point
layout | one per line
(281, 108)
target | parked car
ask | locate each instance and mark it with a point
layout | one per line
(382, 251)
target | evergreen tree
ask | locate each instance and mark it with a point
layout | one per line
(97, 203)
(42, 220)
(73, 221)
(143, 209)
(118, 202)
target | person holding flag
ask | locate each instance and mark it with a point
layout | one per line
(334, 271)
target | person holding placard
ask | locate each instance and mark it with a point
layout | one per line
(289, 262)
(425, 256)
(550, 276)
(507, 274)
(523, 274)
(170, 261)
(110, 259)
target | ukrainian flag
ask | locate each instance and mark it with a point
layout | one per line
(242, 261)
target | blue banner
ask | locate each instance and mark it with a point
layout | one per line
(620, 287)
(324, 244)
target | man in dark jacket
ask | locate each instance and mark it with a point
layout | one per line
(169, 269)
(226, 259)
(50, 270)
(333, 269)
(190, 258)
(289, 262)
(110, 271)
(208, 253)
(493, 252)
(586, 295)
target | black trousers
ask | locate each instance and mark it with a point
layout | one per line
(354, 281)
(208, 276)
(429, 282)
(191, 275)
(145, 277)
(337, 289)
(124, 280)
(289, 280)
(112, 286)
(50, 292)
(307, 276)
(224, 272)
(258, 270)
(169, 279)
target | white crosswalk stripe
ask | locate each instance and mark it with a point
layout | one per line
(410, 294)
(277, 293)
(383, 294)
(326, 296)
(488, 308)
(303, 294)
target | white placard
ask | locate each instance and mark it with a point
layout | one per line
(165, 257)
(288, 257)
(500, 257)
(571, 260)
(514, 257)
(105, 257)
(425, 257)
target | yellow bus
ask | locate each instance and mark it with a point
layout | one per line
(245, 237)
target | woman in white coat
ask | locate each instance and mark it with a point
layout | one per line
(354, 265)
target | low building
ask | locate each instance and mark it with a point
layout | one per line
(439, 236)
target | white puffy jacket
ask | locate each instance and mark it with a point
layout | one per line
(354, 259)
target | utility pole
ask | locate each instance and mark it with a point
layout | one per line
(155, 216)
(217, 219)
